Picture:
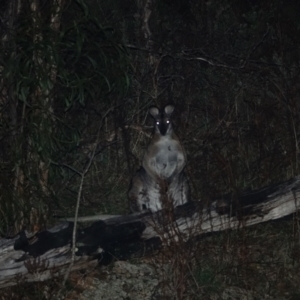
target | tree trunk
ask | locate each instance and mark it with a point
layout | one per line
(47, 253)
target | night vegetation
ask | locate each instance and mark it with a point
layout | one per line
(77, 79)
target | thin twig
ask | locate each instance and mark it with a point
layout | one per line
(78, 202)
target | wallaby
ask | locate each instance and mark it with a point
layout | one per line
(162, 168)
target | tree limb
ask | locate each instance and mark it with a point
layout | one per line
(48, 253)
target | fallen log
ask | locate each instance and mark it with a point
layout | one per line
(47, 253)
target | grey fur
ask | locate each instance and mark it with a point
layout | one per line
(162, 170)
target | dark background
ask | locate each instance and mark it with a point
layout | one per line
(77, 79)
(230, 68)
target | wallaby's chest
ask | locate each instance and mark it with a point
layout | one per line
(166, 151)
(164, 157)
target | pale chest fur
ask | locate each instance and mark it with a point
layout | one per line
(164, 158)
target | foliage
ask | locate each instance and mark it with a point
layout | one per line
(230, 67)
(57, 83)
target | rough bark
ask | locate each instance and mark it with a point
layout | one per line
(48, 253)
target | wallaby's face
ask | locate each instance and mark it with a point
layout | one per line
(163, 125)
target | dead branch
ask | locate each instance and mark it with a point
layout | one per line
(48, 253)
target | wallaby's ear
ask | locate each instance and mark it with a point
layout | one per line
(154, 112)
(169, 109)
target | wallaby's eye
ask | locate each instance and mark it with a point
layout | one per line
(168, 121)
(157, 122)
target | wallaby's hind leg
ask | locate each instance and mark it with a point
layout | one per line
(179, 190)
(144, 193)
(137, 194)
